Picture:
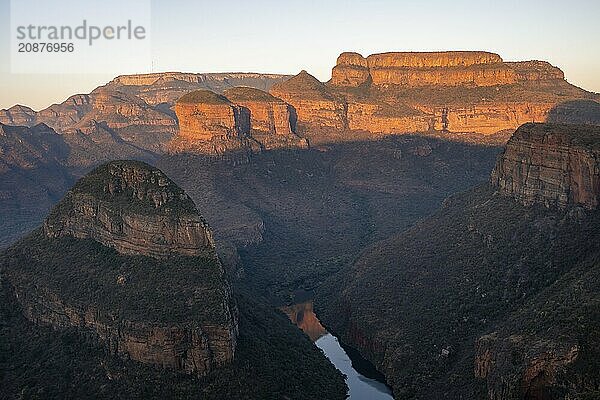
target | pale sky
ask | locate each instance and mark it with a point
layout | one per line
(286, 36)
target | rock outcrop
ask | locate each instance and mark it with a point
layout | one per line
(17, 115)
(133, 208)
(268, 114)
(209, 123)
(166, 87)
(520, 367)
(273, 121)
(452, 68)
(161, 298)
(551, 164)
(458, 91)
(317, 107)
(135, 113)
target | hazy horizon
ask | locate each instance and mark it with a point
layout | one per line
(270, 37)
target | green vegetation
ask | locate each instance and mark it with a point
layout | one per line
(85, 274)
(274, 360)
(305, 85)
(109, 183)
(245, 93)
(482, 263)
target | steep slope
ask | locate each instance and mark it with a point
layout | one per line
(39, 362)
(210, 124)
(174, 312)
(450, 92)
(551, 164)
(272, 121)
(86, 314)
(32, 177)
(453, 91)
(316, 106)
(130, 117)
(296, 216)
(497, 298)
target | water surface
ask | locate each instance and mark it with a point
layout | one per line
(363, 380)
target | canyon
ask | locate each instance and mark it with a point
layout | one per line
(483, 291)
(332, 188)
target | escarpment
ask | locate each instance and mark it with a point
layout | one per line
(209, 123)
(452, 68)
(455, 91)
(551, 164)
(495, 290)
(247, 120)
(126, 258)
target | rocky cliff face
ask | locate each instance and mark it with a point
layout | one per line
(167, 87)
(552, 164)
(248, 120)
(134, 209)
(209, 123)
(503, 301)
(273, 121)
(17, 115)
(162, 298)
(130, 117)
(470, 92)
(517, 366)
(316, 106)
(452, 68)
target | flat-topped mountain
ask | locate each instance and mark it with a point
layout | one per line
(495, 294)
(551, 164)
(448, 68)
(126, 257)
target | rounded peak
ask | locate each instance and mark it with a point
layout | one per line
(349, 58)
(131, 185)
(203, 96)
(302, 84)
(246, 93)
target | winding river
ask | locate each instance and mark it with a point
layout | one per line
(363, 380)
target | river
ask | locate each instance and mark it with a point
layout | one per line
(363, 380)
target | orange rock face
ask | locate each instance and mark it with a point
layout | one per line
(378, 118)
(268, 114)
(487, 118)
(551, 164)
(452, 68)
(316, 106)
(204, 115)
(212, 124)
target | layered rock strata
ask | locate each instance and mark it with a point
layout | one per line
(162, 298)
(463, 92)
(209, 123)
(273, 121)
(552, 164)
(452, 68)
(317, 107)
(134, 209)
